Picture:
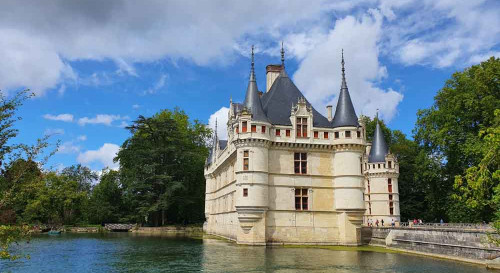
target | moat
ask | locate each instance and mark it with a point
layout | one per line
(125, 252)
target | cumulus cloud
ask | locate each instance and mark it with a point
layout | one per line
(37, 50)
(103, 155)
(319, 73)
(221, 116)
(82, 138)
(100, 119)
(60, 117)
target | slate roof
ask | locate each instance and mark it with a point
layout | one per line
(345, 115)
(379, 148)
(277, 103)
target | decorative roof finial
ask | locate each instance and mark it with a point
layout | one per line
(344, 84)
(253, 64)
(215, 128)
(282, 55)
(377, 115)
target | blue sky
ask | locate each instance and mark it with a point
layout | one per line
(96, 66)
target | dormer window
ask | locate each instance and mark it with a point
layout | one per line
(244, 126)
(254, 128)
(301, 127)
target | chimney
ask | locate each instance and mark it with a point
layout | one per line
(272, 73)
(329, 111)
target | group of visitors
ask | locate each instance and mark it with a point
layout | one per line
(381, 222)
(415, 221)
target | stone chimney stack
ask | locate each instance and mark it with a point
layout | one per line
(329, 111)
(272, 73)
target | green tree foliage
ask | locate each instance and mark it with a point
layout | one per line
(161, 167)
(452, 132)
(12, 235)
(106, 201)
(83, 176)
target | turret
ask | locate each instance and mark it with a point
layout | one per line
(382, 172)
(252, 144)
(348, 179)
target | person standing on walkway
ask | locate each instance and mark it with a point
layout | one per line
(382, 222)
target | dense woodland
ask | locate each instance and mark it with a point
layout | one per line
(449, 167)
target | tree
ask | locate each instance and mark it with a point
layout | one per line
(84, 176)
(106, 204)
(161, 167)
(450, 133)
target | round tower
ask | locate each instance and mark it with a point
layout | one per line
(348, 179)
(382, 174)
(252, 143)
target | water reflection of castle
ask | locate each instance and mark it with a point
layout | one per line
(287, 174)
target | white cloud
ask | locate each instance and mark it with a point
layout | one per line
(36, 50)
(103, 155)
(60, 117)
(136, 106)
(221, 116)
(57, 131)
(82, 138)
(319, 73)
(68, 147)
(100, 119)
(158, 85)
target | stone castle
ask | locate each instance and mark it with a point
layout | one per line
(288, 175)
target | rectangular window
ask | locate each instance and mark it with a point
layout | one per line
(245, 192)
(348, 134)
(358, 134)
(336, 134)
(245, 160)
(390, 164)
(301, 199)
(316, 134)
(378, 166)
(254, 128)
(301, 127)
(300, 163)
(237, 129)
(263, 129)
(287, 133)
(325, 135)
(390, 197)
(244, 125)
(278, 132)
(391, 208)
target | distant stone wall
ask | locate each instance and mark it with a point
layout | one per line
(168, 229)
(466, 244)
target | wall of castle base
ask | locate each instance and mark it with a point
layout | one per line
(285, 227)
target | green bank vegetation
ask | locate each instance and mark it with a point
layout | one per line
(449, 167)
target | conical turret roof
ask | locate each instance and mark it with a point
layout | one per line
(252, 99)
(379, 148)
(344, 113)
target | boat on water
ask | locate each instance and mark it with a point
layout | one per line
(54, 232)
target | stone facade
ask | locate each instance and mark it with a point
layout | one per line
(296, 183)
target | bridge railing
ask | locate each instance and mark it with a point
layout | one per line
(462, 226)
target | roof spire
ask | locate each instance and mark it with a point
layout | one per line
(345, 115)
(252, 99)
(282, 56)
(379, 148)
(216, 129)
(344, 84)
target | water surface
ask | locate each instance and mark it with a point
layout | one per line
(125, 252)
